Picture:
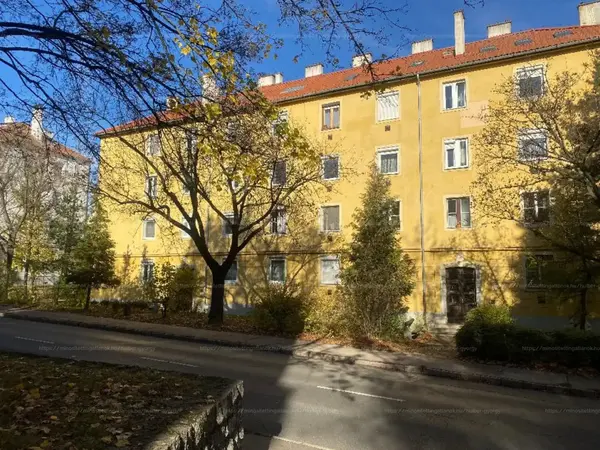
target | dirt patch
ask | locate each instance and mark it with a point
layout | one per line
(48, 403)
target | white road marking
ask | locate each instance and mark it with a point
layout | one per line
(168, 362)
(33, 340)
(291, 441)
(361, 393)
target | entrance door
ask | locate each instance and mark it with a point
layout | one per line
(461, 292)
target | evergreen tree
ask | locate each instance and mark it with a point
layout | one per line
(94, 256)
(377, 275)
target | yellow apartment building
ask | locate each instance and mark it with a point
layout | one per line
(418, 127)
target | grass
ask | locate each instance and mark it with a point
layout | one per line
(48, 403)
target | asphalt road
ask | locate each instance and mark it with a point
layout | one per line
(294, 404)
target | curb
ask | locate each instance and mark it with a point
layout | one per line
(422, 369)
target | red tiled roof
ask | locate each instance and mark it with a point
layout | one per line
(22, 131)
(479, 52)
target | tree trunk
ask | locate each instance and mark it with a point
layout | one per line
(583, 310)
(88, 295)
(26, 280)
(217, 297)
(8, 276)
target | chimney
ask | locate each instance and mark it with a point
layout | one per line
(361, 60)
(459, 32)
(589, 13)
(278, 78)
(210, 90)
(422, 46)
(9, 119)
(313, 71)
(498, 29)
(37, 117)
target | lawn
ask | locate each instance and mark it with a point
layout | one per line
(48, 403)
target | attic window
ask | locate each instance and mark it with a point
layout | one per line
(292, 89)
(351, 77)
(489, 48)
(523, 41)
(562, 33)
(417, 63)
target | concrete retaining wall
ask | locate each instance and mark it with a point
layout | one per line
(215, 427)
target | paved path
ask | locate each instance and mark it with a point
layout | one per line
(302, 404)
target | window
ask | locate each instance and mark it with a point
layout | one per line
(395, 214)
(277, 270)
(232, 274)
(330, 270)
(149, 229)
(279, 173)
(388, 161)
(455, 95)
(536, 207)
(227, 224)
(533, 145)
(458, 212)
(147, 270)
(184, 234)
(278, 221)
(331, 116)
(530, 82)
(456, 153)
(330, 218)
(331, 167)
(388, 106)
(538, 270)
(151, 186)
(153, 145)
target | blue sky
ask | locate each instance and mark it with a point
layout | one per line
(424, 18)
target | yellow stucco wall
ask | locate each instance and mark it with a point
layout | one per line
(497, 251)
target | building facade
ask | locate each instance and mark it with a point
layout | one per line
(417, 125)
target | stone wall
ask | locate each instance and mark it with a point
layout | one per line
(216, 427)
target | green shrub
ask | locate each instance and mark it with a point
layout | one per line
(325, 314)
(507, 342)
(490, 314)
(281, 309)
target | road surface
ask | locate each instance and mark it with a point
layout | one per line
(295, 404)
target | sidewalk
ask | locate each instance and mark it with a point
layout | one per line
(455, 369)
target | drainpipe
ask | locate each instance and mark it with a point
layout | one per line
(421, 201)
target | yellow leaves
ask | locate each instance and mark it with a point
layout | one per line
(34, 393)
(186, 50)
(106, 439)
(53, 418)
(212, 34)
(122, 442)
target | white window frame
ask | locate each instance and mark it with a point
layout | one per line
(528, 133)
(237, 273)
(144, 263)
(382, 96)
(331, 106)
(455, 104)
(456, 142)
(458, 197)
(149, 142)
(536, 207)
(328, 157)
(151, 189)
(329, 258)
(144, 236)
(399, 213)
(322, 217)
(229, 215)
(534, 255)
(278, 258)
(184, 234)
(281, 230)
(389, 150)
(526, 72)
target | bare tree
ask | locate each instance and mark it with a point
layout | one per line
(540, 168)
